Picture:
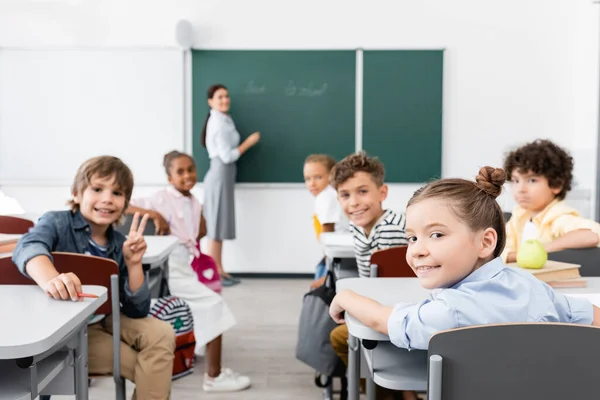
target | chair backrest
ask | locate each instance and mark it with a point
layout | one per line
(391, 263)
(589, 259)
(127, 218)
(10, 275)
(14, 225)
(537, 361)
(89, 269)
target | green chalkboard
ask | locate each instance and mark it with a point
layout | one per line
(302, 102)
(402, 112)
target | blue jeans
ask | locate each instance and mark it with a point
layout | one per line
(321, 269)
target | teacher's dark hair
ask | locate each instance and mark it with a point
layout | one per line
(209, 95)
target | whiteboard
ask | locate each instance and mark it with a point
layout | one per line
(61, 107)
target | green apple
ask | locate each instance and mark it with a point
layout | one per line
(531, 254)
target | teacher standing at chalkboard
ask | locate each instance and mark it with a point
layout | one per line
(222, 141)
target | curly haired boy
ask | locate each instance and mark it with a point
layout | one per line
(541, 174)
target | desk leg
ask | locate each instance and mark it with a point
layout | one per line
(371, 388)
(353, 368)
(81, 364)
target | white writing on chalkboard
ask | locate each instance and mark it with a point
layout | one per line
(290, 90)
(309, 91)
(253, 88)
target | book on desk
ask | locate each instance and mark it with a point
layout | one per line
(557, 274)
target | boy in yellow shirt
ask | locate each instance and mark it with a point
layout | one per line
(541, 174)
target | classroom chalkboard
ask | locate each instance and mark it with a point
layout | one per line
(402, 112)
(302, 102)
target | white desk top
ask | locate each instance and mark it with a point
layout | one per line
(6, 238)
(336, 239)
(34, 323)
(159, 248)
(339, 252)
(389, 291)
(337, 245)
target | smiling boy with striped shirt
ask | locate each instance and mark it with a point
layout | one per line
(358, 180)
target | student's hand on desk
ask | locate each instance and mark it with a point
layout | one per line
(135, 245)
(63, 287)
(161, 224)
(336, 311)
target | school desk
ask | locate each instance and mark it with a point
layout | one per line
(43, 345)
(155, 260)
(8, 242)
(336, 246)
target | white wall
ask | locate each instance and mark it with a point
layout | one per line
(59, 108)
(514, 71)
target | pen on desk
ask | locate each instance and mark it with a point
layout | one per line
(88, 295)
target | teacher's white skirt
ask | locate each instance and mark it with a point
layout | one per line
(212, 316)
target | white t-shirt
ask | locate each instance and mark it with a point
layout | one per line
(328, 209)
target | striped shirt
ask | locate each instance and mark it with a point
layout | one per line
(387, 232)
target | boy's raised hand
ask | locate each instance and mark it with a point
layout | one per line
(135, 245)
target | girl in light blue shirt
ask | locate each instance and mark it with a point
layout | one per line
(456, 233)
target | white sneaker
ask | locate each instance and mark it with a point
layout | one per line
(227, 381)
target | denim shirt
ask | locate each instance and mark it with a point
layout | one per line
(68, 231)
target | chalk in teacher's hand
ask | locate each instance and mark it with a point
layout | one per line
(88, 295)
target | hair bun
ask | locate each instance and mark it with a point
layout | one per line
(490, 180)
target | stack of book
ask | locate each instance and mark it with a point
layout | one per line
(557, 274)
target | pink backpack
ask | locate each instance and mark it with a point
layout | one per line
(207, 272)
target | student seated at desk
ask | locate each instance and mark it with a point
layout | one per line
(101, 191)
(456, 233)
(359, 182)
(541, 174)
(212, 316)
(328, 213)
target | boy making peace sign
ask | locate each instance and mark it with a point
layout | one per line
(101, 192)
